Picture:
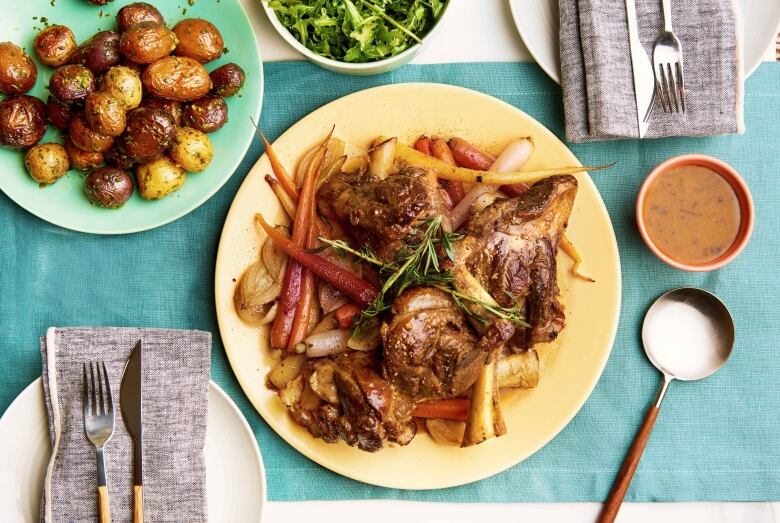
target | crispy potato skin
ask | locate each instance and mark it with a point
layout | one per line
(59, 113)
(191, 149)
(82, 160)
(207, 114)
(86, 138)
(177, 78)
(18, 72)
(100, 53)
(148, 133)
(71, 83)
(46, 162)
(227, 79)
(123, 84)
(55, 45)
(108, 187)
(136, 13)
(105, 114)
(147, 42)
(159, 178)
(198, 39)
(22, 121)
(172, 106)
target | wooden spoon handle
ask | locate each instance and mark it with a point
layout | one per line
(610, 510)
(104, 511)
(138, 504)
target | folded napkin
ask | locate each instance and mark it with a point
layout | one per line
(596, 72)
(176, 369)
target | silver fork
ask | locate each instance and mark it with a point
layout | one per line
(99, 426)
(668, 66)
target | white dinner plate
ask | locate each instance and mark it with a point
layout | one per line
(235, 479)
(537, 22)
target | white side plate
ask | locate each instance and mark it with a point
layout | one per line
(235, 475)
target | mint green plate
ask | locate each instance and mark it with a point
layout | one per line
(64, 203)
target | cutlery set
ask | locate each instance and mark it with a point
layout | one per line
(663, 78)
(99, 424)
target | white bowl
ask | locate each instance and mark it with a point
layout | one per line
(377, 67)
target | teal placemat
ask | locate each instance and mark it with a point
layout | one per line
(715, 440)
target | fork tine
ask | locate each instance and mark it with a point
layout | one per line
(93, 403)
(101, 398)
(673, 87)
(109, 399)
(681, 84)
(662, 93)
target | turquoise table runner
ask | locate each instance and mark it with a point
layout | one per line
(715, 440)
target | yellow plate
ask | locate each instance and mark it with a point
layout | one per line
(570, 370)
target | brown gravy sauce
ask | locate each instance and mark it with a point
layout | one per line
(692, 214)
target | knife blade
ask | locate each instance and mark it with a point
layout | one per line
(132, 413)
(642, 68)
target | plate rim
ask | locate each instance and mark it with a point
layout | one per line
(332, 464)
(197, 203)
(213, 386)
(555, 75)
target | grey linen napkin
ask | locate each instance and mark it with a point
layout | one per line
(176, 369)
(596, 73)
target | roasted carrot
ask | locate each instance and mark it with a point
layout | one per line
(441, 150)
(288, 301)
(287, 203)
(356, 289)
(449, 408)
(423, 144)
(279, 170)
(345, 315)
(469, 156)
(306, 226)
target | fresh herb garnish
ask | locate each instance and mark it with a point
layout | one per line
(358, 30)
(417, 265)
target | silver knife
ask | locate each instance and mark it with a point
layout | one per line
(132, 413)
(644, 80)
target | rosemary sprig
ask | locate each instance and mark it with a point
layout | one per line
(418, 265)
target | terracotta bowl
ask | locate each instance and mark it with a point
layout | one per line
(743, 197)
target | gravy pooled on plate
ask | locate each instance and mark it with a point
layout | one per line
(692, 214)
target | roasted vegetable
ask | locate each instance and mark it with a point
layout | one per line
(207, 115)
(198, 39)
(256, 294)
(147, 42)
(59, 113)
(46, 162)
(105, 114)
(172, 106)
(148, 133)
(22, 121)
(159, 178)
(177, 78)
(71, 83)
(108, 187)
(136, 13)
(55, 45)
(191, 149)
(227, 80)
(17, 70)
(100, 53)
(87, 139)
(123, 84)
(80, 159)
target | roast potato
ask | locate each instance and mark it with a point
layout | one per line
(46, 162)
(86, 138)
(108, 187)
(227, 80)
(71, 83)
(124, 85)
(59, 113)
(118, 159)
(159, 178)
(207, 115)
(105, 114)
(22, 121)
(17, 70)
(136, 13)
(82, 160)
(191, 149)
(55, 45)
(100, 53)
(177, 78)
(147, 42)
(198, 39)
(172, 106)
(148, 133)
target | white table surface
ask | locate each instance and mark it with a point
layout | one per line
(484, 32)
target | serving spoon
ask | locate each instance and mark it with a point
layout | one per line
(687, 334)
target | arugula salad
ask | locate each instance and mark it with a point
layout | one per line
(358, 30)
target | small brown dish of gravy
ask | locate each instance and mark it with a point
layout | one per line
(695, 213)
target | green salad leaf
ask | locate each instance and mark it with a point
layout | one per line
(358, 30)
